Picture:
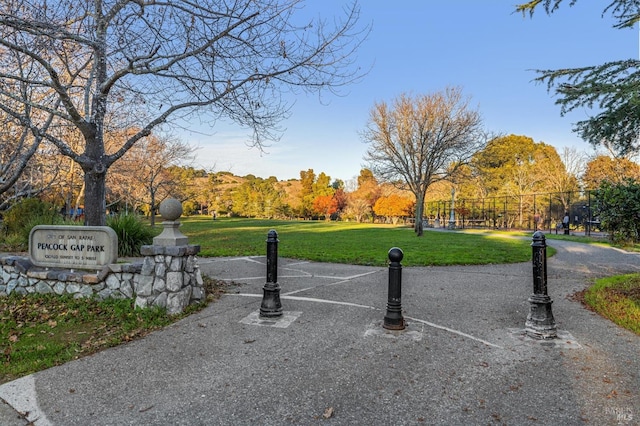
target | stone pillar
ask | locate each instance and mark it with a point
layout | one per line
(452, 212)
(170, 277)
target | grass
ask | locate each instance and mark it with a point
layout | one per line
(599, 239)
(618, 299)
(353, 243)
(41, 331)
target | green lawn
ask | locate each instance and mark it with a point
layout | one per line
(618, 299)
(354, 243)
(38, 331)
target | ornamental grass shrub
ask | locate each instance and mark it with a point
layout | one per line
(132, 233)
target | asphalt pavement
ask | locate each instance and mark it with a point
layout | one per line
(462, 360)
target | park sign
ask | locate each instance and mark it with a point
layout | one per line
(73, 247)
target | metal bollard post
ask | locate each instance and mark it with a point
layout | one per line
(393, 320)
(540, 323)
(271, 306)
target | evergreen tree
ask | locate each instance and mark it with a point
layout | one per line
(611, 87)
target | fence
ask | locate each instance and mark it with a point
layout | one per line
(526, 212)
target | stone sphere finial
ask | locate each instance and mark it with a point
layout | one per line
(170, 209)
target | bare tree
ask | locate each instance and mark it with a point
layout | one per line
(421, 140)
(522, 179)
(37, 178)
(26, 166)
(17, 143)
(562, 176)
(105, 65)
(144, 168)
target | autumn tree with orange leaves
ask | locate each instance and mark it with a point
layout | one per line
(325, 205)
(393, 207)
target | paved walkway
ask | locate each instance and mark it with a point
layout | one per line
(462, 360)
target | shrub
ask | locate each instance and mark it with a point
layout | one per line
(26, 214)
(12, 243)
(618, 207)
(132, 233)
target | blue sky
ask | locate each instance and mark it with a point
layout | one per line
(423, 46)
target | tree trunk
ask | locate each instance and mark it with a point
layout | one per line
(95, 207)
(419, 210)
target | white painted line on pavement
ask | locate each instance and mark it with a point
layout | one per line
(345, 279)
(332, 302)
(263, 277)
(459, 333)
(307, 275)
(21, 395)
(356, 305)
(289, 293)
(306, 299)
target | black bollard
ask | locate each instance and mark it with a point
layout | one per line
(540, 323)
(394, 320)
(271, 306)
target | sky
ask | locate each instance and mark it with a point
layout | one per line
(421, 47)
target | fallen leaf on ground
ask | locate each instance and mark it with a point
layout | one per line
(328, 413)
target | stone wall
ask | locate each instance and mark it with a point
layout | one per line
(168, 277)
